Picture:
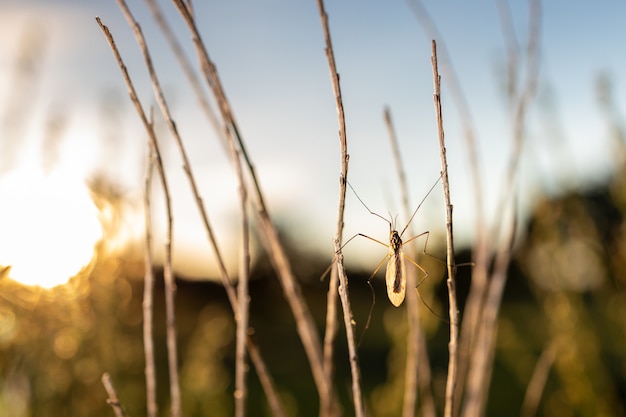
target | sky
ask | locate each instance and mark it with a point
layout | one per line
(270, 57)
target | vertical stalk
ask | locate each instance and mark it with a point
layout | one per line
(451, 282)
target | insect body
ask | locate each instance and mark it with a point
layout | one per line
(396, 271)
(395, 275)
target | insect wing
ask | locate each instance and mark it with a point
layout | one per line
(396, 278)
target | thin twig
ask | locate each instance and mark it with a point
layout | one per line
(187, 68)
(170, 285)
(512, 47)
(343, 178)
(330, 332)
(265, 378)
(243, 313)
(167, 268)
(482, 246)
(305, 324)
(148, 295)
(113, 401)
(257, 359)
(537, 382)
(519, 108)
(395, 150)
(417, 369)
(481, 360)
(451, 282)
(242, 317)
(479, 376)
(415, 333)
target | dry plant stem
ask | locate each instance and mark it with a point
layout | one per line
(333, 286)
(482, 247)
(537, 382)
(330, 330)
(512, 46)
(148, 295)
(260, 367)
(243, 313)
(266, 380)
(413, 342)
(415, 375)
(460, 101)
(479, 376)
(343, 279)
(304, 321)
(187, 68)
(168, 275)
(242, 317)
(212, 79)
(397, 158)
(170, 286)
(414, 333)
(481, 361)
(453, 309)
(166, 114)
(113, 401)
(519, 106)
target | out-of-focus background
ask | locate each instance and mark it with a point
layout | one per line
(73, 158)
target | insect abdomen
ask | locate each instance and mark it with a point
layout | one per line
(396, 271)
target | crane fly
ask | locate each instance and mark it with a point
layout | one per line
(395, 275)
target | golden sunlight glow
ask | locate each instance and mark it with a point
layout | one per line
(48, 227)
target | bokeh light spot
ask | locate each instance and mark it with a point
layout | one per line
(48, 227)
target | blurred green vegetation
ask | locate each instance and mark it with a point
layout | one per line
(565, 296)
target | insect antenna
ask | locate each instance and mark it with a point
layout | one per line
(418, 207)
(365, 205)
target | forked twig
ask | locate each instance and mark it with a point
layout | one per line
(113, 401)
(451, 282)
(339, 270)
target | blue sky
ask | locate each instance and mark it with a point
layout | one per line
(270, 56)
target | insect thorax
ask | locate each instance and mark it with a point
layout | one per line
(395, 241)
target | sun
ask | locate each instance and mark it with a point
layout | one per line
(48, 227)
